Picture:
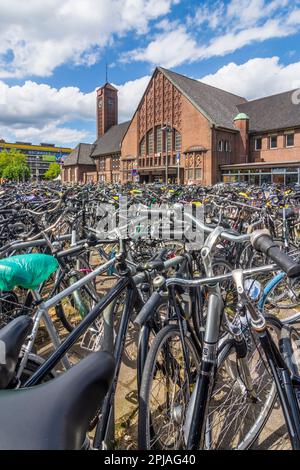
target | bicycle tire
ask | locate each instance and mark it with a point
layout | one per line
(262, 414)
(146, 427)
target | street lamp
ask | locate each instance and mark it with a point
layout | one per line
(166, 128)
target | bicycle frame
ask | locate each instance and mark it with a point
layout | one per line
(132, 300)
(195, 422)
(43, 312)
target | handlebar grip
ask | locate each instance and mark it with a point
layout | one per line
(262, 241)
(148, 309)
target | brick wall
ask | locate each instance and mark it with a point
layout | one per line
(196, 131)
(77, 173)
(223, 157)
(281, 153)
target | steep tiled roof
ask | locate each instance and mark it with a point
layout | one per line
(219, 106)
(272, 112)
(80, 156)
(110, 142)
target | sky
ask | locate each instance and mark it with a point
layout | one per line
(53, 56)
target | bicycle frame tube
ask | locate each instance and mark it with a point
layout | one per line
(284, 387)
(271, 284)
(107, 407)
(196, 414)
(77, 332)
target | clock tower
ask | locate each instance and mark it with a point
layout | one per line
(107, 108)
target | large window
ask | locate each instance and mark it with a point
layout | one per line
(143, 147)
(258, 143)
(115, 163)
(226, 145)
(158, 139)
(220, 145)
(289, 140)
(169, 140)
(102, 164)
(190, 174)
(177, 141)
(198, 174)
(273, 142)
(150, 142)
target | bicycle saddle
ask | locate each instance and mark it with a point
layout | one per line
(12, 337)
(56, 414)
(27, 271)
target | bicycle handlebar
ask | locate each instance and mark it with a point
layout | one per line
(226, 235)
(262, 241)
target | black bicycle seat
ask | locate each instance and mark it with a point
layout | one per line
(56, 414)
(12, 337)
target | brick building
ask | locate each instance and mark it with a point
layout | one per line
(185, 130)
(78, 166)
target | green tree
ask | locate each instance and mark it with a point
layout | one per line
(13, 165)
(53, 171)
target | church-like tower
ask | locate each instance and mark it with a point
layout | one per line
(107, 108)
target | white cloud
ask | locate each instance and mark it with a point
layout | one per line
(168, 49)
(294, 17)
(39, 104)
(38, 36)
(246, 13)
(240, 23)
(37, 112)
(129, 96)
(48, 133)
(230, 42)
(256, 78)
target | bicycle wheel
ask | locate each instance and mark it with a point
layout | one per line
(235, 417)
(286, 295)
(31, 367)
(290, 348)
(165, 391)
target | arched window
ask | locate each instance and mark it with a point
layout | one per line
(177, 140)
(143, 147)
(158, 132)
(150, 142)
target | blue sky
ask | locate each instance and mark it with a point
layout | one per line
(53, 55)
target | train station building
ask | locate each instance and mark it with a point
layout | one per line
(186, 131)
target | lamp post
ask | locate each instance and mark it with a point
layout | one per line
(167, 128)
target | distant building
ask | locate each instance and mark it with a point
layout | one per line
(78, 165)
(39, 157)
(187, 131)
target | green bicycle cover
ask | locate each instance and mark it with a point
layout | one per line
(27, 271)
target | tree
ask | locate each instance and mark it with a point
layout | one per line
(53, 171)
(13, 165)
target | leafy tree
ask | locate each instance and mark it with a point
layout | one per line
(13, 165)
(53, 171)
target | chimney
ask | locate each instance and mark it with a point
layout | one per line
(241, 121)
